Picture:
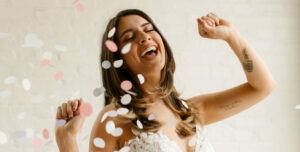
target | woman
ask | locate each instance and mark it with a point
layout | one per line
(150, 115)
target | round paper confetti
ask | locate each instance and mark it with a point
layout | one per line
(98, 91)
(5, 94)
(45, 63)
(3, 138)
(106, 64)
(126, 48)
(122, 111)
(60, 48)
(10, 80)
(192, 142)
(141, 78)
(58, 75)
(104, 116)
(21, 115)
(111, 32)
(184, 104)
(139, 124)
(45, 133)
(3, 34)
(99, 142)
(19, 134)
(47, 55)
(125, 149)
(151, 117)
(26, 84)
(32, 41)
(118, 63)
(110, 127)
(80, 7)
(126, 85)
(112, 113)
(29, 132)
(126, 99)
(60, 122)
(85, 109)
(37, 142)
(111, 45)
(117, 132)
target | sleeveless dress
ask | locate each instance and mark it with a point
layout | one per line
(158, 142)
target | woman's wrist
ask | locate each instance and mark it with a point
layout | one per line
(233, 34)
(67, 143)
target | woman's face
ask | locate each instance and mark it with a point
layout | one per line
(140, 33)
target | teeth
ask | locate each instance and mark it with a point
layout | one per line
(149, 49)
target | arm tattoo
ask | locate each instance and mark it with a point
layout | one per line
(230, 106)
(248, 65)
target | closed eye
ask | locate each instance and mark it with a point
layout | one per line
(126, 40)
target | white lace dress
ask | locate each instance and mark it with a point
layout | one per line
(158, 142)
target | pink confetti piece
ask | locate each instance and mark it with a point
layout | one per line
(74, 2)
(80, 7)
(58, 75)
(37, 142)
(45, 63)
(126, 85)
(111, 45)
(45, 133)
(86, 109)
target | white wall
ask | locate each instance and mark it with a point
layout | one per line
(203, 65)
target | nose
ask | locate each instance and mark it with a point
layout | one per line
(144, 38)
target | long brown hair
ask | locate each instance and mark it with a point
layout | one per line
(113, 77)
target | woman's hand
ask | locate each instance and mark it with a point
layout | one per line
(66, 133)
(214, 27)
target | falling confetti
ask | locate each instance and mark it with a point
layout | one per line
(60, 122)
(29, 132)
(111, 32)
(60, 48)
(45, 133)
(98, 91)
(110, 127)
(75, 1)
(80, 7)
(37, 142)
(126, 48)
(139, 124)
(85, 109)
(112, 113)
(141, 78)
(47, 55)
(104, 116)
(122, 111)
(21, 115)
(3, 138)
(125, 149)
(32, 41)
(19, 134)
(5, 94)
(45, 63)
(118, 63)
(3, 35)
(192, 142)
(298, 106)
(151, 117)
(99, 142)
(126, 85)
(111, 45)
(26, 84)
(106, 64)
(10, 80)
(117, 132)
(126, 99)
(184, 104)
(58, 75)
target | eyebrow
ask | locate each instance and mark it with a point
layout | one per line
(130, 30)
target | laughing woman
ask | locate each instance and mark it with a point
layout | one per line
(150, 116)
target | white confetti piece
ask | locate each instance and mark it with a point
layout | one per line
(26, 84)
(122, 111)
(110, 127)
(111, 32)
(139, 124)
(151, 117)
(10, 80)
(106, 64)
(112, 113)
(98, 91)
(19, 134)
(192, 142)
(29, 132)
(3, 34)
(5, 94)
(118, 63)
(184, 104)
(60, 48)
(298, 106)
(99, 142)
(60, 122)
(37, 99)
(47, 55)
(3, 138)
(32, 41)
(141, 78)
(126, 99)
(22, 115)
(104, 116)
(125, 149)
(117, 132)
(126, 48)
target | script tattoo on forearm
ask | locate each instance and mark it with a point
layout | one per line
(248, 65)
(230, 106)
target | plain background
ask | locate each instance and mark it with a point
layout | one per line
(69, 36)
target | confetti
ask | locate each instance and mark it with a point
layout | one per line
(32, 41)
(151, 117)
(126, 99)
(106, 64)
(60, 48)
(117, 132)
(122, 111)
(37, 99)
(45, 133)
(98, 91)
(111, 45)
(118, 63)
(85, 109)
(125, 149)
(141, 78)
(139, 124)
(45, 63)
(110, 127)
(10, 80)
(298, 106)
(3, 35)
(37, 142)
(126, 85)
(111, 32)
(75, 1)
(126, 48)
(19, 134)
(112, 113)
(47, 55)
(26, 84)
(29, 132)
(184, 104)
(3, 138)
(58, 75)
(99, 142)
(22, 115)
(192, 142)
(5, 94)
(60, 122)
(104, 116)
(80, 7)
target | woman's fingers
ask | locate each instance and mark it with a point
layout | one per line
(75, 105)
(208, 20)
(214, 17)
(69, 109)
(64, 111)
(58, 113)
